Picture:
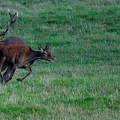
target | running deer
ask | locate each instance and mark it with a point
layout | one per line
(9, 40)
(19, 56)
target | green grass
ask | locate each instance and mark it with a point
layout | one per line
(83, 83)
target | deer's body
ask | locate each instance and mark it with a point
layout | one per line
(18, 55)
(10, 41)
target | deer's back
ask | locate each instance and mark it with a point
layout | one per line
(12, 40)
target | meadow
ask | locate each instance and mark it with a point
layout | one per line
(83, 82)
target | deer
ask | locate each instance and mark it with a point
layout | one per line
(15, 54)
(12, 39)
(19, 56)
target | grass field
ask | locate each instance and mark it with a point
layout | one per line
(83, 83)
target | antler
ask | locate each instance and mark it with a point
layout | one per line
(13, 18)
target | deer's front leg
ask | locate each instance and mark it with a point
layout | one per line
(29, 72)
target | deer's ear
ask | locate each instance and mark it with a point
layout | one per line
(47, 46)
(40, 48)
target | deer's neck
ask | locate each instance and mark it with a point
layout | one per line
(36, 55)
(33, 56)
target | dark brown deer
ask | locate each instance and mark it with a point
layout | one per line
(10, 40)
(19, 56)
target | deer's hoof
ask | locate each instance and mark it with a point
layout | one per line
(19, 79)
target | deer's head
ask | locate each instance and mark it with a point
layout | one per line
(46, 54)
